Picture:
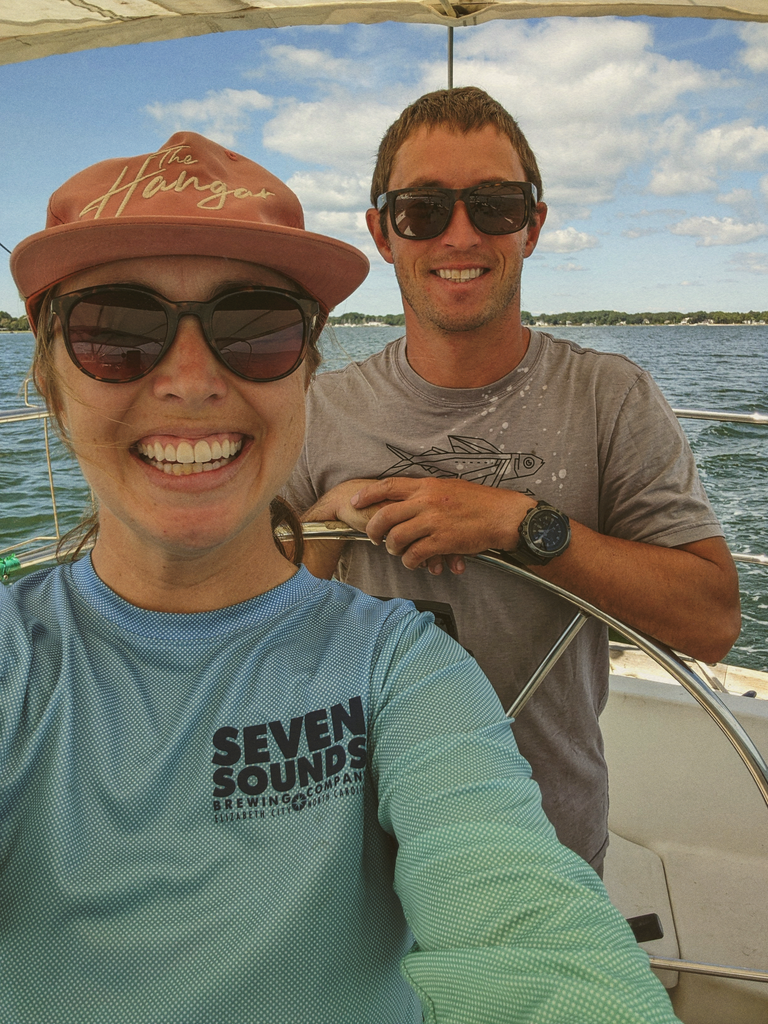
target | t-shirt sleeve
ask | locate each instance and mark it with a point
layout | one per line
(322, 462)
(299, 491)
(510, 926)
(650, 489)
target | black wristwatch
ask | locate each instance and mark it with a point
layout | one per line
(545, 533)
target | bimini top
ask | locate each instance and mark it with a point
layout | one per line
(39, 28)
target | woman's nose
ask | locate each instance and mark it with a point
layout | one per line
(189, 370)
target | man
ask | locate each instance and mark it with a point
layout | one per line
(473, 420)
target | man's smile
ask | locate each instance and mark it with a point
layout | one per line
(455, 274)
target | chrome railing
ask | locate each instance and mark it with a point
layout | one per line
(26, 555)
(720, 713)
(759, 419)
(29, 556)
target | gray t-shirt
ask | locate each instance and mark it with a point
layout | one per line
(589, 432)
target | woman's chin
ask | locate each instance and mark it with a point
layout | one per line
(184, 534)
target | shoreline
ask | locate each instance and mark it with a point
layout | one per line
(622, 323)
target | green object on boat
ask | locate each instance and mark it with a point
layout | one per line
(8, 565)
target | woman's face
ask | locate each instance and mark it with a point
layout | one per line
(132, 440)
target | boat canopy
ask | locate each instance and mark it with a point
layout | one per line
(39, 28)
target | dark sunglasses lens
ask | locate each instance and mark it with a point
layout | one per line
(498, 209)
(116, 335)
(422, 213)
(259, 335)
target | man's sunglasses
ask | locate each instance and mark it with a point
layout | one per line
(425, 212)
(119, 333)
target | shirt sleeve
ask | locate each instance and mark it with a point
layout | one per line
(510, 926)
(299, 491)
(650, 488)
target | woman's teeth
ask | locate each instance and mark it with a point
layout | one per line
(185, 458)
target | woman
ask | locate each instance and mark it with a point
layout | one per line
(229, 791)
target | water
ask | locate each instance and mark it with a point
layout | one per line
(701, 367)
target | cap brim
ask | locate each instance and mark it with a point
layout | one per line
(327, 268)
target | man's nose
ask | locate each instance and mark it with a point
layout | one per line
(461, 233)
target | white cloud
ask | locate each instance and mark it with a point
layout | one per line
(694, 159)
(585, 100)
(557, 216)
(220, 115)
(755, 55)
(337, 222)
(752, 262)
(569, 268)
(335, 132)
(743, 202)
(303, 63)
(323, 190)
(714, 231)
(737, 197)
(566, 240)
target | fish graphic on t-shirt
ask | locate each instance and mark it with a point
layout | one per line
(469, 458)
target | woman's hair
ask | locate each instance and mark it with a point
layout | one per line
(49, 384)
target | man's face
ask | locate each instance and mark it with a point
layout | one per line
(463, 280)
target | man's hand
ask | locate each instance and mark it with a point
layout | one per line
(687, 597)
(426, 521)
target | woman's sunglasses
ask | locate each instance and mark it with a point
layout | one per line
(119, 333)
(425, 212)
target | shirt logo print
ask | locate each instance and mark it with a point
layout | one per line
(469, 458)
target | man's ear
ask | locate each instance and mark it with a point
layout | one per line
(373, 220)
(534, 227)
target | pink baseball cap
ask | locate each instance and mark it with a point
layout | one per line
(192, 197)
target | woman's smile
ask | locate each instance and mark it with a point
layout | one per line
(186, 455)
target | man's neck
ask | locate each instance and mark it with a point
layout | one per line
(465, 359)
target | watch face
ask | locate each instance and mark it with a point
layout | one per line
(547, 530)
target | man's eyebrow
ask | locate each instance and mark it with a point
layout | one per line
(432, 183)
(426, 183)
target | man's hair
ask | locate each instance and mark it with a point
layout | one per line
(462, 110)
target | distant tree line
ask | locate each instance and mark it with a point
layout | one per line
(596, 317)
(358, 319)
(611, 317)
(11, 323)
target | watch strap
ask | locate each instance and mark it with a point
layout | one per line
(526, 553)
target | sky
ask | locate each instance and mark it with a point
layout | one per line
(651, 135)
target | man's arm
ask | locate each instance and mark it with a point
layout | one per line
(687, 596)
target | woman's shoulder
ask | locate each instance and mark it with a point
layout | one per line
(31, 606)
(33, 624)
(357, 609)
(32, 595)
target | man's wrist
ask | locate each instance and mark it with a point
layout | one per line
(510, 539)
(544, 534)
